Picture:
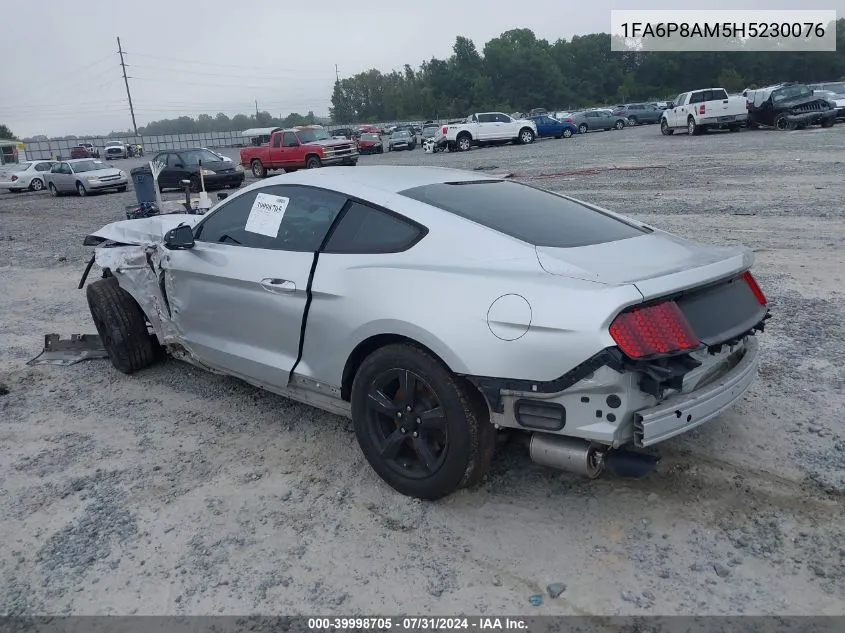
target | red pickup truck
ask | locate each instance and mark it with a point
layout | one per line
(298, 148)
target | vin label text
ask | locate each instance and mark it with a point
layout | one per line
(705, 30)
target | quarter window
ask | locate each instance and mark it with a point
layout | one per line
(364, 229)
(306, 220)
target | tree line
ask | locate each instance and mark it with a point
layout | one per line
(517, 72)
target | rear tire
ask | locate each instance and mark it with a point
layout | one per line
(442, 443)
(53, 191)
(258, 170)
(121, 325)
(463, 142)
(692, 128)
(619, 125)
(526, 136)
(582, 129)
(36, 184)
(567, 133)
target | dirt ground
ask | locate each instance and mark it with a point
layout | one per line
(175, 491)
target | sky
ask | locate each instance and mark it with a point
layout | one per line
(188, 58)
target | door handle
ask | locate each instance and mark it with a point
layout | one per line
(278, 285)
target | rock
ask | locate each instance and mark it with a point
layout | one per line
(628, 596)
(721, 570)
(555, 589)
(3, 389)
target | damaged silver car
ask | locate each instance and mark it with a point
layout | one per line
(435, 307)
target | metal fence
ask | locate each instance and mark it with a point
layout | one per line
(152, 144)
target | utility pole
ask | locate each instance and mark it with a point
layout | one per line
(256, 108)
(126, 81)
(336, 74)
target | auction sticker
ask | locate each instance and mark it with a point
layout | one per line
(265, 216)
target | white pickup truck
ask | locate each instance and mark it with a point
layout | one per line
(700, 110)
(484, 128)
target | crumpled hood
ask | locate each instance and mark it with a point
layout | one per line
(144, 230)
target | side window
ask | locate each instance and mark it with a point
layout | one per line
(719, 95)
(277, 140)
(66, 168)
(486, 118)
(503, 118)
(173, 160)
(307, 217)
(43, 167)
(364, 229)
(697, 97)
(290, 140)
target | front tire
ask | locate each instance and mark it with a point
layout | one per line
(122, 326)
(36, 185)
(313, 163)
(81, 190)
(665, 130)
(424, 433)
(53, 191)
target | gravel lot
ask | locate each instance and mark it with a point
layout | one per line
(175, 491)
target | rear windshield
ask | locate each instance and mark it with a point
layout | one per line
(536, 216)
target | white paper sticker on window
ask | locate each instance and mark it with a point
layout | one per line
(266, 214)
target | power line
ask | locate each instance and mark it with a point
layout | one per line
(203, 83)
(190, 71)
(126, 81)
(70, 76)
(202, 63)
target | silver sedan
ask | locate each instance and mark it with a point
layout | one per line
(83, 176)
(436, 307)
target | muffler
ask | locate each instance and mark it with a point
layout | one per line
(566, 453)
(587, 459)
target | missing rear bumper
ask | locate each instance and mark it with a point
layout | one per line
(682, 412)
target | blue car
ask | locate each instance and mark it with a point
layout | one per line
(549, 126)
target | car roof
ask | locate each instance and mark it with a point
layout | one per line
(79, 160)
(386, 178)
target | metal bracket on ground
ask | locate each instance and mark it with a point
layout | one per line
(70, 351)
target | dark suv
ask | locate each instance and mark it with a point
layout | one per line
(788, 106)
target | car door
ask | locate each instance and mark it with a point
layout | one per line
(63, 178)
(176, 170)
(677, 113)
(717, 102)
(505, 127)
(367, 249)
(289, 153)
(486, 126)
(238, 296)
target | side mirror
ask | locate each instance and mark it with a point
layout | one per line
(180, 238)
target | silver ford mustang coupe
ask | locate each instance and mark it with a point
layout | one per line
(435, 307)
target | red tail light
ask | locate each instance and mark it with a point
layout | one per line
(701, 109)
(570, 121)
(14, 178)
(445, 129)
(653, 330)
(755, 287)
